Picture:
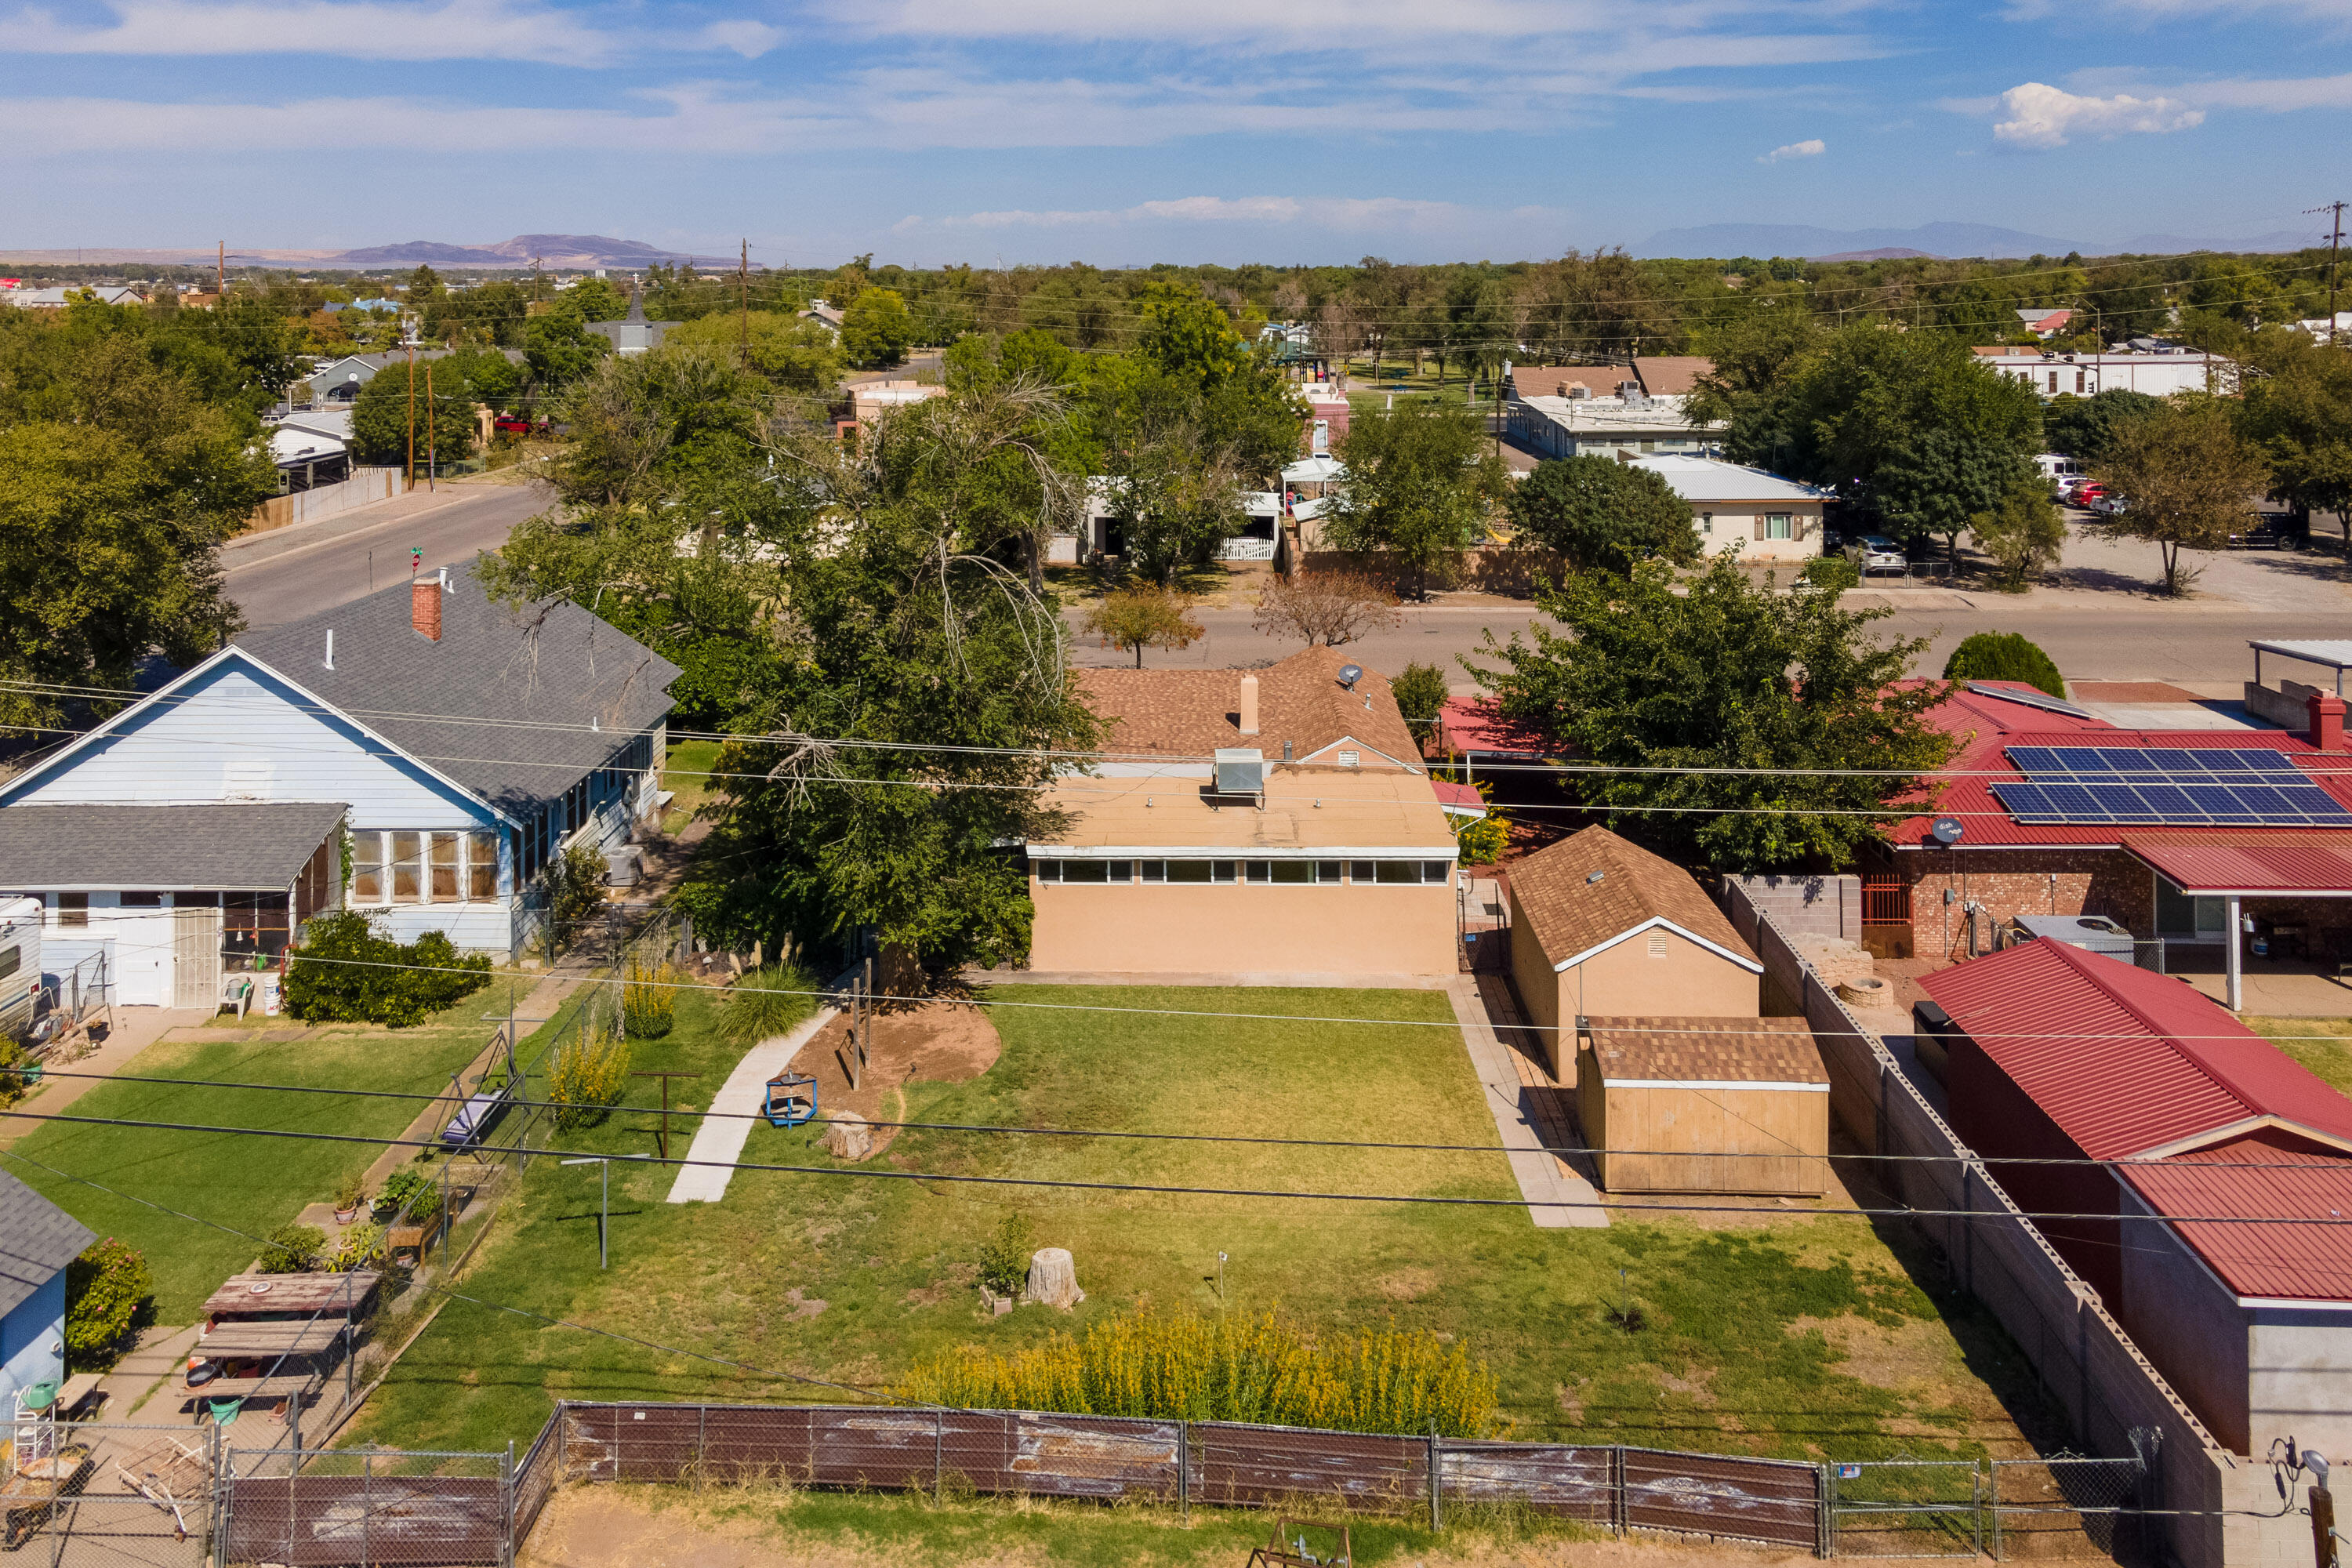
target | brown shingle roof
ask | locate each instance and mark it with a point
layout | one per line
(1672, 375)
(1546, 380)
(1570, 913)
(1193, 712)
(1708, 1051)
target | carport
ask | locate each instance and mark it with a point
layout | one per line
(2335, 654)
(2236, 867)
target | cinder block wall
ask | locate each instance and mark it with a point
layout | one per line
(1814, 906)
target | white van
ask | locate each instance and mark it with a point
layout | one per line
(20, 965)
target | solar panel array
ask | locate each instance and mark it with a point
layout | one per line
(2172, 787)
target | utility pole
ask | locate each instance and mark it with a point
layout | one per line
(2335, 246)
(2323, 1525)
(220, 272)
(431, 467)
(411, 417)
(743, 285)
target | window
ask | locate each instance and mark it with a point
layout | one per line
(1122, 871)
(2053, 383)
(254, 923)
(1047, 870)
(1776, 525)
(1707, 522)
(1086, 872)
(407, 868)
(1437, 870)
(1397, 873)
(1190, 870)
(482, 882)
(1258, 870)
(1223, 870)
(1328, 872)
(2078, 381)
(1291, 873)
(143, 901)
(448, 852)
(1154, 870)
(2186, 919)
(1360, 870)
(12, 959)
(73, 909)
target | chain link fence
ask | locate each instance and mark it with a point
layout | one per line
(114, 1495)
(2073, 1507)
(1907, 1508)
(360, 1506)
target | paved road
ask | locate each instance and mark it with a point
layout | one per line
(297, 572)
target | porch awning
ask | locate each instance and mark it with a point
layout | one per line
(106, 849)
(2310, 866)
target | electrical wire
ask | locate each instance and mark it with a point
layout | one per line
(1165, 1189)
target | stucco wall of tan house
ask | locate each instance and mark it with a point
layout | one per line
(1168, 928)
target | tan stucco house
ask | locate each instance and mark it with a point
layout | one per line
(1745, 513)
(1248, 823)
(1603, 928)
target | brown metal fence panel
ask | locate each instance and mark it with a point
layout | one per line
(315, 1522)
(535, 1477)
(742, 1443)
(1753, 1499)
(1046, 1455)
(1234, 1464)
(1552, 1478)
(874, 1447)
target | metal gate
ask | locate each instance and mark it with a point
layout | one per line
(131, 1497)
(2070, 1507)
(326, 1509)
(1906, 1508)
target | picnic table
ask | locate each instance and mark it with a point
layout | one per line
(252, 1338)
(264, 1296)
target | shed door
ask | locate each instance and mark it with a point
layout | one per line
(195, 957)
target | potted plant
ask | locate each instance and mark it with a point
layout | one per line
(348, 1198)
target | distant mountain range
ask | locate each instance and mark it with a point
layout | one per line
(566, 252)
(1934, 239)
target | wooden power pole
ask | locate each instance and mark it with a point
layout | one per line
(432, 467)
(411, 417)
(220, 273)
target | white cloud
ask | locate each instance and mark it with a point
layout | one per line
(2042, 116)
(1813, 149)
(2175, 10)
(363, 30)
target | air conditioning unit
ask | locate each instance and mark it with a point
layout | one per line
(1241, 772)
(2096, 932)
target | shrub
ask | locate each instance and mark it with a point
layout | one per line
(108, 1292)
(1267, 1369)
(649, 1000)
(359, 1246)
(402, 1188)
(2004, 656)
(13, 1082)
(766, 1001)
(1004, 1257)
(1832, 574)
(349, 970)
(573, 883)
(352, 1191)
(1420, 690)
(292, 1249)
(588, 1075)
(1483, 840)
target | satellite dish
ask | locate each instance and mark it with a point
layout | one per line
(1947, 829)
(1349, 674)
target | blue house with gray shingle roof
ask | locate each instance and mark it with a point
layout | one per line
(421, 753)
(37, 1239)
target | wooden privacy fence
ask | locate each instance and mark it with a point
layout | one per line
(1218, 1463)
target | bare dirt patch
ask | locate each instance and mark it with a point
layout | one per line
(937, 1041)
(1407, 1284)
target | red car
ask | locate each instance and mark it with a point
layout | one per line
(515, 425)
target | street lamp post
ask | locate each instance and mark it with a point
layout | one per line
(604, 1200)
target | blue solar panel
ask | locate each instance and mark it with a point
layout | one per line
(2171, 802)
(2164, 762)
(2092, 760)
(2235, 759)
(2078, 802)
(2263, 802)
(2215, 800)
(2315, 804)
(2122, 803)
(2232, 786)
(2028, 803)
(2034, 761)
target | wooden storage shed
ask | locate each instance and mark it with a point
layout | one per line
(1602, 926)
(1703, 1104)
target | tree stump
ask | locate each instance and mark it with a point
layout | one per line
(1053, 1279)
(849, 1136)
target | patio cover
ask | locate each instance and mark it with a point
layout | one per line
(2219, 866)
(102, 848)
(2336, 653)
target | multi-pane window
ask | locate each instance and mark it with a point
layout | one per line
(482, 874)
(73, 909)
(422, 867)
(407, 868)
(1776, 524)
(447, 852)
(367, 868)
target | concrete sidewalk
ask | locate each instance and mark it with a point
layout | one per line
(1559, 1197)
(710, 1161)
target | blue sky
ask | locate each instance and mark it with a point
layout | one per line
(1120, 131)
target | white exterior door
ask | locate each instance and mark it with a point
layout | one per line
(195, 957)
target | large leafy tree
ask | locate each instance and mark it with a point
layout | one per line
(1718, 672)
(2085, 427)
(437, 404)
(1420, 481)
(2299, 416)
(1601, 515)
(795, 357)
(560, 349)
(2187, 480)
(118, 480)
(876, 328)
(1940, 481)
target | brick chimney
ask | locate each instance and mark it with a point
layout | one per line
(1249, 705)
(425, 608)
(2326, 720)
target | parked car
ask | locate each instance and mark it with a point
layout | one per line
(2273, 530)
(1876, 552)
(2084, 492)
(515, 425)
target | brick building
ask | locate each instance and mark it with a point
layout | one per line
(2179, 886)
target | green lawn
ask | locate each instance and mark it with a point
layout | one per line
(253, 1183)
(2330, 1057)
(1749, 1336)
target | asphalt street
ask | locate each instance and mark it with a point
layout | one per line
(294, 572)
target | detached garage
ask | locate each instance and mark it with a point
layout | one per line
(1704, 1105)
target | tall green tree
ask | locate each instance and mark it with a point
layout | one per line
(1939, 481)
(558, 349)
(2299, 417)
(392, 405)
(2187, 481)
(2083, 427)
(875, 329)
(1419, 482)
(1718, 672)
(1600, 515)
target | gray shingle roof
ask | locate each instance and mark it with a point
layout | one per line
(36, 1240)
(242, 848)
(514, 702)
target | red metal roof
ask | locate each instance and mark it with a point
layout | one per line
(2291, 1261)
(1987, 727)
(1461, 799)
(2249, 861)
(2126, 1061)
(1474, 724)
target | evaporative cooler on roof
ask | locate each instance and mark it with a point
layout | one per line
(2170, 786)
